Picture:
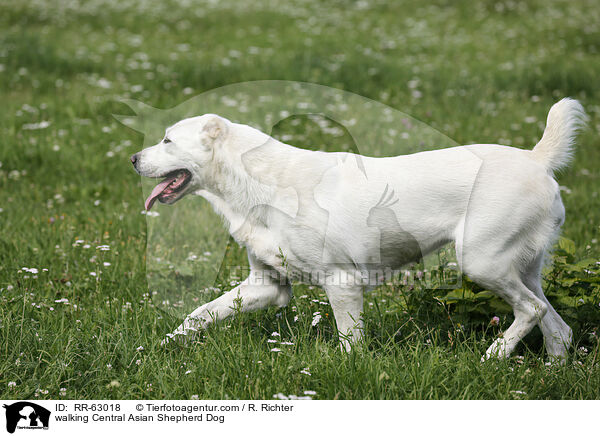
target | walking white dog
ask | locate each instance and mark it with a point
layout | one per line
(334, 217)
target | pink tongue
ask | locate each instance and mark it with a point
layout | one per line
(158, 189)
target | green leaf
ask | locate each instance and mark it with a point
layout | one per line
(457, 295)
(500, 306)
(567, 283)
(484, 295)
(584, 263)
(569, 301)
(567, 245)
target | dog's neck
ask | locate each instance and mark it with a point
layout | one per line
(234, 193)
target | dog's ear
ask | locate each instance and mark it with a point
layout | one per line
(213, 131)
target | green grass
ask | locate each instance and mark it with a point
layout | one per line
(480, 71)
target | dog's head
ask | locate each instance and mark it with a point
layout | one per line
(182, 158)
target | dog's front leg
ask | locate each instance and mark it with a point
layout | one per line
(347, 305)
(258, 291)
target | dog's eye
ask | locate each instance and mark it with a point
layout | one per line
(166, 140)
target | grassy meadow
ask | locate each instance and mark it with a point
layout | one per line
(77, 317)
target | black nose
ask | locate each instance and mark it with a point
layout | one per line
(134, 158)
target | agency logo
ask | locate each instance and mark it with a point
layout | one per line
(26, 415)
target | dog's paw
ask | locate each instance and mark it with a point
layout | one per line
(498, 350)
(186, 333)
(556, 360)
(168, 341)
(179, 339)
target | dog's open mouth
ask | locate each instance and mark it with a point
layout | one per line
(170, 189)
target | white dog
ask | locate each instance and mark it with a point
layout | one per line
(335, 217)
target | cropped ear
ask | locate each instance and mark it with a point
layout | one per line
(214, 130)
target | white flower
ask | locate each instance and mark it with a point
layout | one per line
(189, 371)
(316, 318)
(12, 384)
(271, 341)
(109, 366)
(281, 396)
(138, 362)
(310, 393)
(275, 334)
(150, 213)
(103, 83)
(36, 126)
(275, 350)
(305, 371)
(140, 348)
(194, 397)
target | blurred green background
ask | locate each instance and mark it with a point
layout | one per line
(478, 72)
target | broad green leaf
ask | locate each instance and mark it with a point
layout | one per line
(584, 263)
(484, 295)
(567, 245)
(457, 295)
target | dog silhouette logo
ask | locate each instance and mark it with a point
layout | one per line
(26, 415)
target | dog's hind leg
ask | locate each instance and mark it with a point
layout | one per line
(261, 289)
(528, 310)
(557, 334)
(496, 271)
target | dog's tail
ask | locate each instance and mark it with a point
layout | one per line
(555, 149)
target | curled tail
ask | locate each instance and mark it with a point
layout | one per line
(555, 149)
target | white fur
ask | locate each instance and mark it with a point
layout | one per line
(332, 218)
(555, 149)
